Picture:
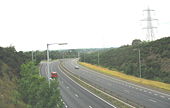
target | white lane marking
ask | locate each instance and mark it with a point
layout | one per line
(127, 91)
(169, 98)
(162, 96)
(77, 95)
(156, 94)
(93, 93)
(145, 91)
(140, 89)
(65, 104)
(136, 88)
(90, 107)
(87, 69)
(150, 92)
(152, 100)
(67, 87)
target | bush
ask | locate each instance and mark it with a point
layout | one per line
(35, 91)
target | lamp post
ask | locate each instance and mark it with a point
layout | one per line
(48, 68)
(98, 58)
(139, 64)
(140, 73)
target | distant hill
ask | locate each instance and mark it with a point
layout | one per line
(155, 59)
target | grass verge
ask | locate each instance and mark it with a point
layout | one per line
(106, 71)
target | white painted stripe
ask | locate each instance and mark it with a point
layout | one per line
(145, 91)
(67, 87)
(127, 91)
(91, 92)
(90, 107)
(162, 96)
(169, 98)
(150, 92)
(155, 94)
(77, 95)
(152, 100)
(87, 69)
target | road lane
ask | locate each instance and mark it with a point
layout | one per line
(140, 95)
(73, 95)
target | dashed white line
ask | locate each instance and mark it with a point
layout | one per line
(90, 107)
(155, 94)
(77, 95)
(162, 96)
(67, 87)
(169, 98)
(127, 91)
(150, 92)
(152, 100)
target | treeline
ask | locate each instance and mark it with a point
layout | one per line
(60, 54)
(154, 56)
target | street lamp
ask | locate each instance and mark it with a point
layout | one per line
(48, 69)
(98, 58)
(140, 73)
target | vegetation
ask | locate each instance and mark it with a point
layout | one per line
(10, 62)
(35, 91)
(20, 83)
(155, 59)
(127, 77)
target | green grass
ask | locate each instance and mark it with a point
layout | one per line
(121, 75)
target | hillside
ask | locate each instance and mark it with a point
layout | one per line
(21, 86)
(154, 56)
(10, 62)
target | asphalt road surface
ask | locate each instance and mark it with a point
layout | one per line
(73, 95)
(138, 94)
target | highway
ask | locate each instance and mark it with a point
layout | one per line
(73, 95)
(138, 94)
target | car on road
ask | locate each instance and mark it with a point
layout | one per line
(76, 67)
(54, 75)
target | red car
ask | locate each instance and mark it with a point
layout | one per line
(54, 75)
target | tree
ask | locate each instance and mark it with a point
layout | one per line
(35, 91)
(136, 42)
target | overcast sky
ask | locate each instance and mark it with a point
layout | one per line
(31, 24)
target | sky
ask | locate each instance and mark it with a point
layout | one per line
(31, 24)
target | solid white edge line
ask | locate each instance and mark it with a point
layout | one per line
(109, 95)
(86, 89)
(87, 69)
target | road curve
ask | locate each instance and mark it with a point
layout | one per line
(140, 95)
(73, 95)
